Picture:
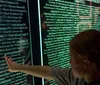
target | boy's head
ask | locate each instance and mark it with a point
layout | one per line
(85, 47)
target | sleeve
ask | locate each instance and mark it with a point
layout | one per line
(63, 76)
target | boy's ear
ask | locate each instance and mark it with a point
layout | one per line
(86, 62)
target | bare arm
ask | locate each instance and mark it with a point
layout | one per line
(38, 71)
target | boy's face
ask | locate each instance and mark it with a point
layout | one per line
(77, 66)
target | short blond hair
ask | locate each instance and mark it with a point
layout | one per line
(87, 43)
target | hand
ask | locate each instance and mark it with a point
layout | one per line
(12, 66)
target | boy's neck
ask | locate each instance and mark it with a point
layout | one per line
(92, 77)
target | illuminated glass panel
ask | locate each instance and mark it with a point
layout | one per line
(15, 39)
(60, 20)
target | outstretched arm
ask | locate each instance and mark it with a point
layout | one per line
(38, 71)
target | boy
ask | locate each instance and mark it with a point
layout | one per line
(85, 62)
